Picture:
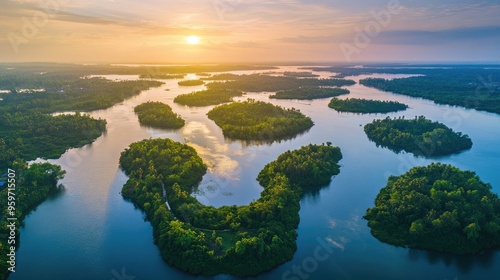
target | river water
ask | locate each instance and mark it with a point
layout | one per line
(88, 231)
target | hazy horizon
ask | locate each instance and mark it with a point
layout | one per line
(237, 31)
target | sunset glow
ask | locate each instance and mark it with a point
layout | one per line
(193, 40)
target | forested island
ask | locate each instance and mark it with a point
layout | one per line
(237, 240)
(439, 208)
(208, 97)
(309, 92)
(365, 106)
(419, 136)
(32, 186)
(159, 115)
(260, 83)
(188, 83)
(257, 120)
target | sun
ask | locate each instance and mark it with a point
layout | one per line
(193, 40)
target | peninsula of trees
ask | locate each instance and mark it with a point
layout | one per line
(439, 208)
(257, 120)
(355, 105)
(237, 240)
(208, 97)
(309, 92)
(419, 136)
(158, 115)
(191, 83)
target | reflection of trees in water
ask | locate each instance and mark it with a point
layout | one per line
(463, 263)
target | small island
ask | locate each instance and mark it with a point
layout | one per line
(364, 106)
(189, 83)
(309, 92)
(257, 120)
(238, 240)
(208, 97)
(439, 208)
(158, 115)
(419, 136)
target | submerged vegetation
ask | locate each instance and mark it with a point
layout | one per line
(437, 207)
(237, 240)
(309, 92)
(419, 136)
(257, 120)
(159, 115)
(208, 97)
(355, 105)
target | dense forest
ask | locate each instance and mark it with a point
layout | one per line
(191, 83)
(208, 97)
(257, 120)
(32, 186)
(355, 105)
(309, 92)
(438, 207)
(260, 83)
(237, 240)
(419, 136)
(159, 115)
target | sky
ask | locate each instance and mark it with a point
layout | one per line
(230, 31)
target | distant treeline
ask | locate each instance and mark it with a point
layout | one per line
(260, 83)
(309, 92)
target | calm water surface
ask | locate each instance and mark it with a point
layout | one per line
(87, 231)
